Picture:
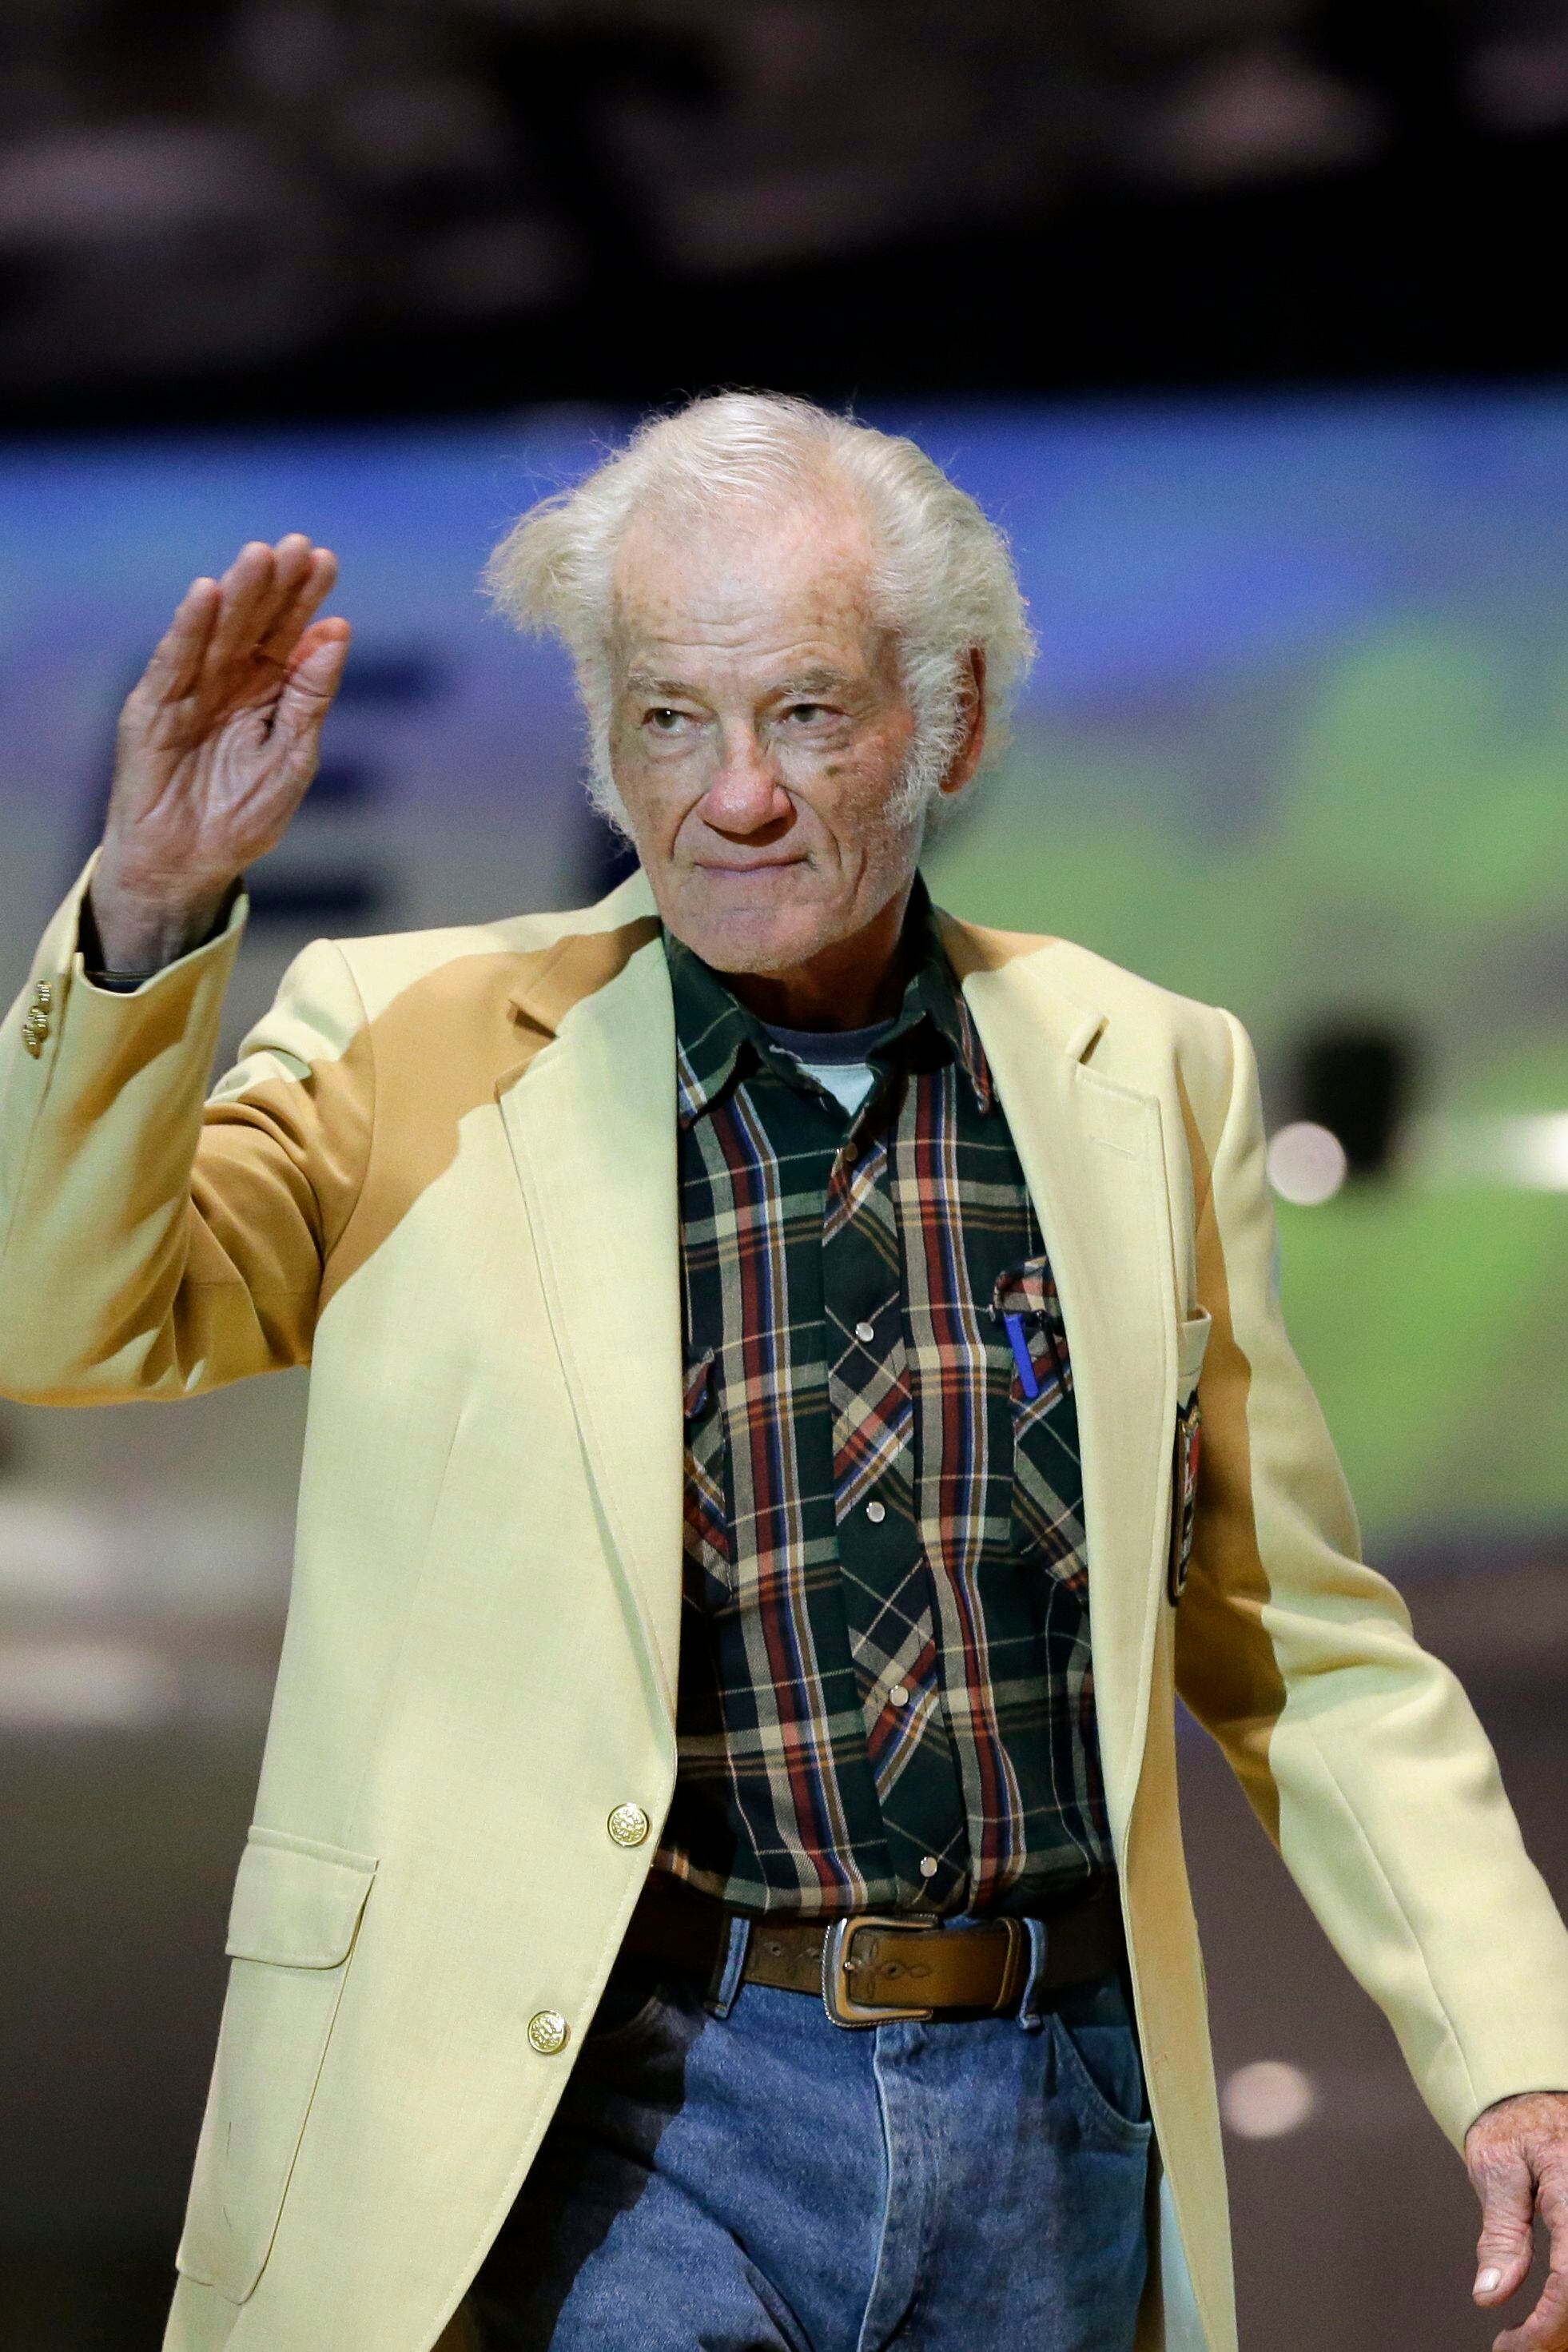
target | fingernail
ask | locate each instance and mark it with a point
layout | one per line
(1487, 2281)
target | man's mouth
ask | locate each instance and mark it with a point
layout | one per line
(758, 867)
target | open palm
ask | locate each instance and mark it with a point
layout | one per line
(219, 738)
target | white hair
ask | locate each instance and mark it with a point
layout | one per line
(943, 580)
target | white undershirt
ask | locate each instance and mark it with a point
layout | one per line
(837, 1058)
(848, 1082)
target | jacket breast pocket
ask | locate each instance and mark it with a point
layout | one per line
(291, 1927)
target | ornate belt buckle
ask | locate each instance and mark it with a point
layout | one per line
(838, 1966)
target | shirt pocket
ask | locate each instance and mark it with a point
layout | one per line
(1046, 1485)
(1025, 1307)
(710, 1539)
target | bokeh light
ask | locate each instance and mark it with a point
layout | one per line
(1268, 2099)
(1306, 1164)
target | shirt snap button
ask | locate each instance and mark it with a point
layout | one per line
(864, 1333)
(876, 1512)
(899, 1695)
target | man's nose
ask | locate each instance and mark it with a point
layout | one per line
(746, 795)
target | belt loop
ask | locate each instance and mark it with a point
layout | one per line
(728, 1969)
(1030, 2015)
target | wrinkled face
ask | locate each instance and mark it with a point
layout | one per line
(759, 731)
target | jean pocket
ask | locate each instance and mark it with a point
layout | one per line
(1100, 2075)
(632, 2012)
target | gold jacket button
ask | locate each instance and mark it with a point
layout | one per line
(548, 2032)
(628, 1826)
(35, 1027)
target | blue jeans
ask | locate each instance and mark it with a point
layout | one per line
(766, 2181)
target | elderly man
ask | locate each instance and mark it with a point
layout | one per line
(716, 1877)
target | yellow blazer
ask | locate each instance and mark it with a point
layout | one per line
(443, 1173)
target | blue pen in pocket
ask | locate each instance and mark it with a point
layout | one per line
(1024, 1301)
(1014, 1325)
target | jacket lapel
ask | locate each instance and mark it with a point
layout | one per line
(590, 1118)
(1091, 1154)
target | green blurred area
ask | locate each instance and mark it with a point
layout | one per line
(1392, 844)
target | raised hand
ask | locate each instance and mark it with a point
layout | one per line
(218, 743)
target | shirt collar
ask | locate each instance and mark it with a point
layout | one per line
(717, 1039)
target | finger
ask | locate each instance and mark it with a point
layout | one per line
(246, 589)
(177, 657)
(315, 584)
(314, 676)
(277, 585)
(1505, 2188)
(333, 631)
(290, 569)
(1546, 2329)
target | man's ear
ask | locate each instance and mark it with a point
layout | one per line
(971, 748)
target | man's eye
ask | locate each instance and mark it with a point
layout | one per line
(665, 721)
(808, 712)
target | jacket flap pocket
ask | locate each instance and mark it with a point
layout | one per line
(297, 1904)
(1192, 1344)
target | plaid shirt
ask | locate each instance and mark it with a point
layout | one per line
(886, 1697)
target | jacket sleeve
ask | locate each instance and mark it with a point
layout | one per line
(1358, 1749)
(152, 1245)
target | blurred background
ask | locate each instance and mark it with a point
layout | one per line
(1246, 318)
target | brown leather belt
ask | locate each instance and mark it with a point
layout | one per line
(873, 1968)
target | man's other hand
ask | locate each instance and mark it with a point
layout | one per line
(1517, 2154)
